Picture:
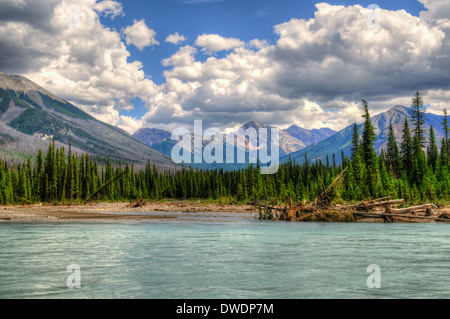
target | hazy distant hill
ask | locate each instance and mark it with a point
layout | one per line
(309, 137)
(151, 136)
(288, 142)
(342, 140)
(29, 109)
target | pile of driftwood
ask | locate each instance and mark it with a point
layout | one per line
(138, 203)
(382, 208)
(322, 210)
(385, 208)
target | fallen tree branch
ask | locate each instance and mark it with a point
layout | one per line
(266, 207)
(107, 184)
(377, 200)
(412, 209)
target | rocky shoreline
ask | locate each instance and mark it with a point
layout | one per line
(112, 212)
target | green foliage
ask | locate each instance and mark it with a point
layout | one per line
(62, 176)
(34, 120)
(407, 153)
(372, 174)
(65, 108)
(418, 117)
(7, 96)
(393, 154)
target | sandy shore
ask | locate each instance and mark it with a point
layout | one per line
(114, 212)
(101, 212)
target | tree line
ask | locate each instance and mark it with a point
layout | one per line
(402, 170)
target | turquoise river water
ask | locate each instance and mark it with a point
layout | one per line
(229, 258)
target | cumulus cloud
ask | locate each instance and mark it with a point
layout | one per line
(175, 38)
(436, 9)
(63, 47)
(109, 8)
(313, 74)
(258, 44)
(128, 123)
(140, 35)
(215, 43)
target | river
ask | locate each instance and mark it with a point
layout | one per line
(229, 258)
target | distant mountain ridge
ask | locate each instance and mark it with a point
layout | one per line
(309, 137)
(291, 140)
(288, 143)
(341, 141)
(151, 136)
(161, 141)
(29, 109)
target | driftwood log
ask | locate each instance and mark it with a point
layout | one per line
(381, 208)
(413, 209)
(139, 203)
(367, 206)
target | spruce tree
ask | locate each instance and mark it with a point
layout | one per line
(444, 154)
(432, 152)
(446, 132)
(407, 149)
(70, 175)
(393, 154)
(418, 118)
(39, 176)
(355, 142)
(369, 155)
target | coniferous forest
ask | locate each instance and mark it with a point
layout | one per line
(414, 169)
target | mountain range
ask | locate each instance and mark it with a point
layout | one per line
(151, 136)
(341, 141)
(29, 114)
(291, 140)
(320, 143)
(309, 137)
(160, 140)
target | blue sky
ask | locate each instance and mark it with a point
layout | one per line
(245, 20)
(242, 19)
(313, 61)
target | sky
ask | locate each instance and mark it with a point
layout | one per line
(164, 64)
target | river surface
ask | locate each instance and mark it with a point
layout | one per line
(231, 257)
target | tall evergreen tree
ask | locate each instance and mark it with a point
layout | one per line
(446, 128)
(355, 142)
(444, 154)
(418, 118)
(407, 149)
(393, 154)
(432, 150)
(369, 155)
(70, 174)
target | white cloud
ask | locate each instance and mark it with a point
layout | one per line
(109, 8)
(85, 63)
(436, 9)
(140, 35)
(128, 124)
(258, 44)
(312, 75)
(215, 43)
(175, 38)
